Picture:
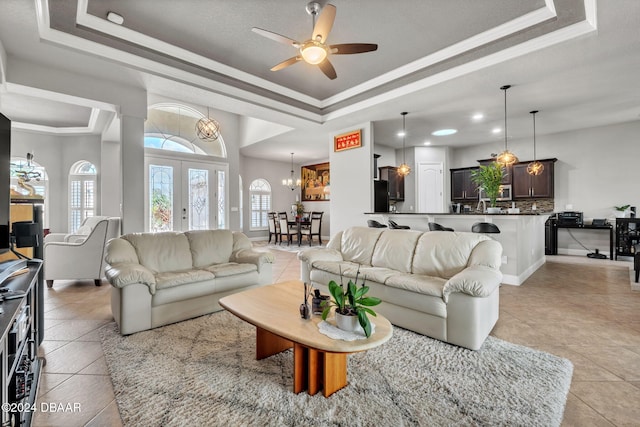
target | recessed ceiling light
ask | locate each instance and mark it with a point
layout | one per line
(444, 132)
(477, 116)
(496, 130)
(401, 133)
(427, 143)
(115, 18)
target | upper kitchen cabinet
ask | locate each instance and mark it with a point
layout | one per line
(462, 187)
(525, 186)
(396, 182)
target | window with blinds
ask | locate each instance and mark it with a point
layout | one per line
(260, 195)
(82, 194)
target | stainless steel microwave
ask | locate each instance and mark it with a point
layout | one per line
(505, 193)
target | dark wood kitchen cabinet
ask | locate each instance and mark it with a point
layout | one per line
(396, 182)
(462, 187)
(525, 186)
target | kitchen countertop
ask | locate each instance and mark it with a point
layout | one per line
(460, 214)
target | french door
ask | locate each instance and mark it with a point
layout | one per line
(184, 195)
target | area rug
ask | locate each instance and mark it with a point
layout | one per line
(203, 372)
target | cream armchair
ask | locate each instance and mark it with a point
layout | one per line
(81, 255)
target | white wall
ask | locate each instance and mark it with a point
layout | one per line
(352, 181)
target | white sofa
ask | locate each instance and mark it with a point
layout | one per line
(438, 283)
(162, 278)
(80, 255)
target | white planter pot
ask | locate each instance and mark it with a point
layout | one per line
(620, 214)
(493, 210)
(347, 323)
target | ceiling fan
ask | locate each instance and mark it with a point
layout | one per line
(315, 51)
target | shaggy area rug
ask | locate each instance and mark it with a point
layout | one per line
(203, 372)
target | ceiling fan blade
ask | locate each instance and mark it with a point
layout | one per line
(349, 48)
(286, 63)
(325, 23)
(327, 69)
(275, 36)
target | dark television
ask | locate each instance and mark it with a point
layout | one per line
(5, 193)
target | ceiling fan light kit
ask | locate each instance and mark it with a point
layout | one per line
(506, 158)
(316, 51)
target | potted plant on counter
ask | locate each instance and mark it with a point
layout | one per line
(351, 306)
(621, 211)
(490, 178)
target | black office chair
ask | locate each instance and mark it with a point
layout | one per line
(394, 226)
(434, 226)
(375, 224)
(485, 227)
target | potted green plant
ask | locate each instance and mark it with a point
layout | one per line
(489, 178)
(351, 305)
(621, 211)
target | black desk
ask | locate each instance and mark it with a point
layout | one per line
(591, 227)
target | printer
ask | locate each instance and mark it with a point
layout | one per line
(569, 219)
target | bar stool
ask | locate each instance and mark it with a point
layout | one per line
(485, 227)
(434, 226)
(375, 224)
(394, 226)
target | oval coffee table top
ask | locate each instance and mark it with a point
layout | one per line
(276, 308)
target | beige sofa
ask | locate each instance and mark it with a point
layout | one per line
(438, 283)
(161, 278)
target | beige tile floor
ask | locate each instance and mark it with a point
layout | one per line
(583, 311)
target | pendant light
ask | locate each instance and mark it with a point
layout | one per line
(207, 129)
(506, 157)
(535, 167)
(292, 182)
(404, 169)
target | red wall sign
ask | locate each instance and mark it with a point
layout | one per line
(347, 141)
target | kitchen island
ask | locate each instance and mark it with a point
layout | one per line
(521, 236)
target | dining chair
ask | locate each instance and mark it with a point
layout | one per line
(314, 228)
(286, 229)
(274, 226)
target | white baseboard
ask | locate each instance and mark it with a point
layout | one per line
(510, 279)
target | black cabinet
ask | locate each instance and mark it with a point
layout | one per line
(525, 186)
(627, 235)
(396, 182)
(462, 187)
(19, 344)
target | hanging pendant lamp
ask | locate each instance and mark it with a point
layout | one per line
(404, 169)
(535, 167)
(292, 183)
(506, 157)
(207, 129)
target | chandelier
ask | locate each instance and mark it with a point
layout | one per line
(535, 167)
(506, 157)
(207, 129)
(404, 169)
(292, 183)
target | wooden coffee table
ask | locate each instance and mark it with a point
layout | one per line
(319, 361)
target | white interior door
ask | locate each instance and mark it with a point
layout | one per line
(184, 195)
(430, 188)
